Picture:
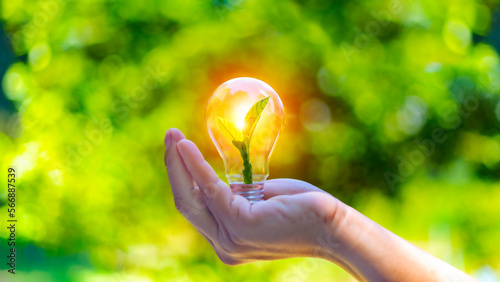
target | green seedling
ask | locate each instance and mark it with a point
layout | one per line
(241, 138)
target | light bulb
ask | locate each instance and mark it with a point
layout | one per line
(244, 118)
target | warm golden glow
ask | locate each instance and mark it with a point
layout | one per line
(231, 101)
(239, 112)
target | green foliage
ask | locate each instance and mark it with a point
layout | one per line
(92, 86)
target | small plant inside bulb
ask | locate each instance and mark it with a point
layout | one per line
(244, 118)
(240, 136)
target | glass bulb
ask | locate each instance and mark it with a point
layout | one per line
(244, 118)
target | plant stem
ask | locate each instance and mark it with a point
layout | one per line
(247, 166)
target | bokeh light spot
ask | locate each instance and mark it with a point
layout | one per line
(39, 56)
(457, 35)
(315, 115)
(368, 108)
(14, 82)
(412, 115)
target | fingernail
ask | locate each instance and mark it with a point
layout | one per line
(179, 149)
(168, 138)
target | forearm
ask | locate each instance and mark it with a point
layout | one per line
(371, 252)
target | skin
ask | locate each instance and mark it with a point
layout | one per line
(296, 219)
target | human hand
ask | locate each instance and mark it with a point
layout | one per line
(292, 221)
(296, 219)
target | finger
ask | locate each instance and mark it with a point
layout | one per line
(284, 186)
(216, 193)
(187, 197)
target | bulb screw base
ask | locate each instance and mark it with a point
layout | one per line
(252, 192)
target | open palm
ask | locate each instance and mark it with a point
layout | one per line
(293, 213)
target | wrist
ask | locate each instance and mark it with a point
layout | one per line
(329, 242)
(345, 238)
(370, 252)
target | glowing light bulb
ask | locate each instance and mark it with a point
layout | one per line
(244, 118)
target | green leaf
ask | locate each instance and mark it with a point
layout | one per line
(252, 118)
(240, 145)
(229, 130)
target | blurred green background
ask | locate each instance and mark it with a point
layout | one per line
(391, 106)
